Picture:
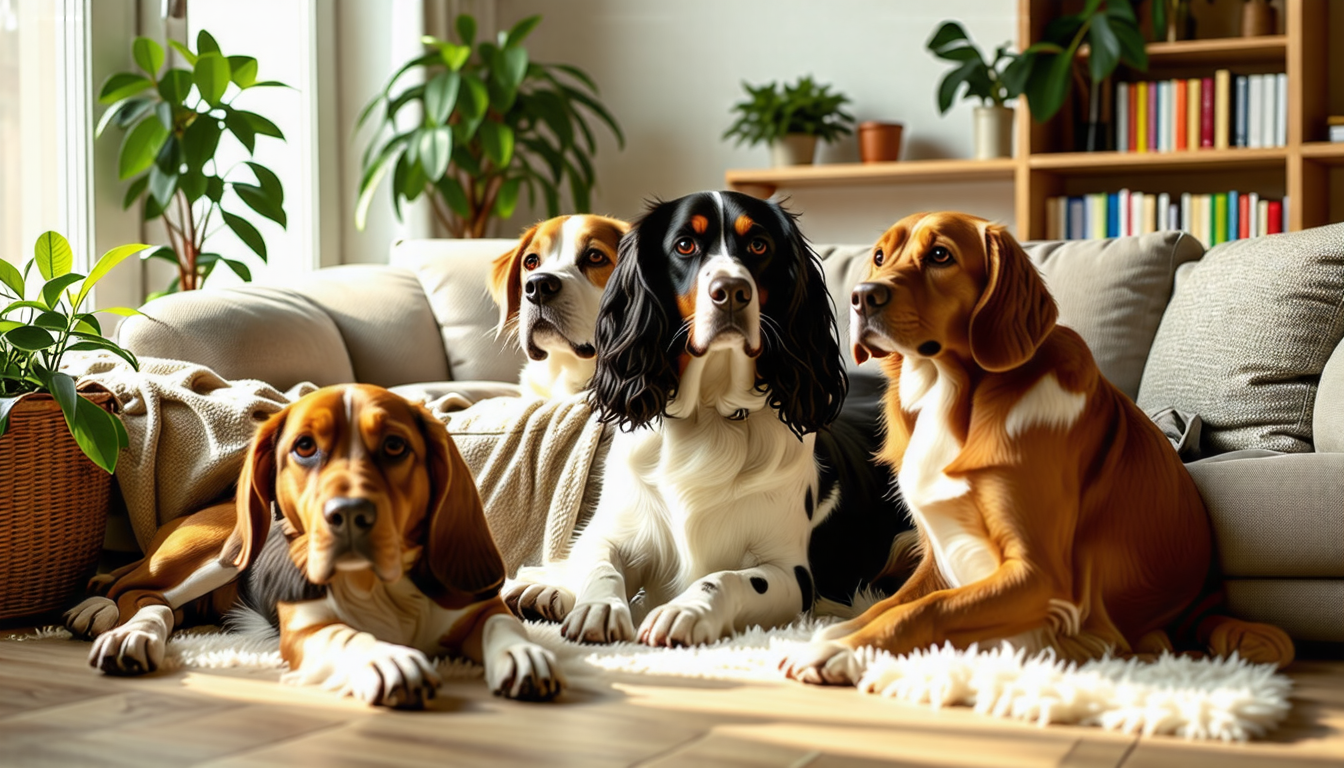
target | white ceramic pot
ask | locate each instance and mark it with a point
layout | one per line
(794, 149)
(993, 132)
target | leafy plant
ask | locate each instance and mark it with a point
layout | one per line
(1110, 29)
(52, 324)
(490, 124)
(174, 120)
(769, 113)
(992, 82)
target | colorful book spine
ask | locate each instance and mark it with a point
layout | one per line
(1233, 215)
(1206, 112)
(1135, 213)
(1262, 218)
(1255, 111)
(1163, 211)
(1219, 223)
(1122, 117)
(1274, 214)
(1222, 103)
(1193, 105)
(1178, 114)
(1141, 140)
(1153, 109)
(1244, 210)
(1281, 110)
(1096, 216)
(1149, 214)
(1133, 115)
(1113, 215)
(1187, 200)
(1074, 229)
(1240, 115)
(1122, 204)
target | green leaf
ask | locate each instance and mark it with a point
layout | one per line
(577, 74)
(105, 264)
(39, 306)
(270, 183)
(552, 110)
(214, 188)
(497, 139)
(6, 405)
(1045, 93)
(123, 311)
(519, 31)
(148, 55)
(161, 185)
(261, 125)
(373, 174)
(441, 96)
(1105, 48)
(9, 275)
(1133, 50)
(242, 129)
(205, 43)
(51, 292)
(53, 255)
(164, 253)
(435, 150)
(175, 86)
(472, 103)
(454, 56)
(200, 141)
(259, 201)
(184, 50)
(87, 323)
(122, 85)
(133, 192)
(450, 189)
(62, 389)
(947, 89)
(243, 70)
(270, 84)
(239, 268)
(211, 75)
(123, 113)
(97, 433)
(949, 32)
(246, 232)
(466, 29)
(507, 198)
(514, 66)
(30, 339)
(596, 108)
(54, 321)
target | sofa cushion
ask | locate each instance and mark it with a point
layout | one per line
(1246, 336)
(844, 266)
(1113, 292)
(389, 330)
(1307, 609)
(1328, 419)
(454, 275)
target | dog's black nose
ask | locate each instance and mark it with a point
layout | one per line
(730, 293)
(869, 297)
(349, 514)
(540, 289)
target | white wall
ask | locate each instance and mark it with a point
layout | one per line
(670, 72)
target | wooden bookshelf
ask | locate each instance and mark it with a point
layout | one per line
(1306, 170)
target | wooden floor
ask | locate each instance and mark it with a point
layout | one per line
(55, 711)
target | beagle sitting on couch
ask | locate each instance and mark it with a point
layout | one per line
(380, 558)
(1051, 511)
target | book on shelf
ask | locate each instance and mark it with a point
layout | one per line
(1222, 111)
(1222, 101)
(1206, 113)
(1335, 126)
(1211, 218)
(1281, 109)
(1178, 115)
(1240, 129)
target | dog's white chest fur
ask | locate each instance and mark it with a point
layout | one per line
(395, 613)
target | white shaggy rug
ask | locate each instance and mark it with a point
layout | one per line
(1204, 699)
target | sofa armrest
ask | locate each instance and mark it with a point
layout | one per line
(1327, 422)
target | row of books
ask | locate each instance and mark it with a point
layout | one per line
(1213, 218)
(1202, 113)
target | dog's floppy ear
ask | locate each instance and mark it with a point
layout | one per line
(636, 371)
(804, 370)
(256, 494)
(1016, 312)
(506, 286)
(460, 563)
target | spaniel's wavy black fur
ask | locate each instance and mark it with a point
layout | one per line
(641, 334)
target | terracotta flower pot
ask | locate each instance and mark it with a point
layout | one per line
(880, 142)
(794, 149)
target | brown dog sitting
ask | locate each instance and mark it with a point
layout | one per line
(1051, 511)
(381, 559)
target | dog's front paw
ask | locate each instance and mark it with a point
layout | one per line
(680, 624)
(91, 618)
(538, 601)
(823, 663)
(136, 647)
(603, 622)
(394, 676)
(525, 671)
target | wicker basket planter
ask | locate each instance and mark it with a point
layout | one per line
(53, 508)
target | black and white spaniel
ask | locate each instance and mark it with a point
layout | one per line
(717, 357)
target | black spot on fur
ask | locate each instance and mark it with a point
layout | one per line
(805, 584)
(709, 587)
(759, 584)
(808, 506)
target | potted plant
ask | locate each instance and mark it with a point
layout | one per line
(173, 121)
(55, 479)
(790, 119)
(490, 122)
(994, 83)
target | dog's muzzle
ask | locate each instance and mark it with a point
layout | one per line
(350, 521)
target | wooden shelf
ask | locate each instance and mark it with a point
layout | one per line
(1216, 52)
(1330, 153)
(1112, 163)
(764, 181)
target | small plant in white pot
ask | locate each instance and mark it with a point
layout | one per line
(790, 119)
(994, 83)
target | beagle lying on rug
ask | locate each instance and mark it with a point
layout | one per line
(1051, 511)
(380, 559)
(550, 287)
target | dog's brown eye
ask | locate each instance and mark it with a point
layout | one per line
(394, 446)
(685, 246)
(940, 256)
(878, 258)
(305, 447)
(531, 261)
(757, 246)
(595, 258)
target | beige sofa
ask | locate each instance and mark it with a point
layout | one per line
(1277, 501)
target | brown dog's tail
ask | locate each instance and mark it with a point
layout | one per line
(1252, 641)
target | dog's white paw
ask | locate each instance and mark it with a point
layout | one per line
(602, 622)
(91, 618)
(823, 663)
(524, 671)
(680, 624)
(537, 601)
(135, 647)
(393, 676)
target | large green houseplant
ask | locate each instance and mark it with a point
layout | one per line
(174, 119)
(994, 82)
(489, 123)
(790, 119)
